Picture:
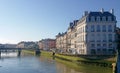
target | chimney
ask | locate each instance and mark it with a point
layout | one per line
(71, 24)
(112, 11)
(75, 22)
(85, 13)
(102, 10)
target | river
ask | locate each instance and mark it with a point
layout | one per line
(11, 63)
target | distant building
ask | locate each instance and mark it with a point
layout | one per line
(47, 44)
(40, 44)
(20, 45)
(10, 45)
(93, 34)
(29, 45)
(2, 46)
(61, 42)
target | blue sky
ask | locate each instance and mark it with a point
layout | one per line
(33, 20)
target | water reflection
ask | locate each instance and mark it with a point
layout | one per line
(34, 64)
(61, 68)
(69, 67)
(9, 54)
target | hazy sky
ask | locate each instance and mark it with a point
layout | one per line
(33, 20)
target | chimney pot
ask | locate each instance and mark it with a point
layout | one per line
(102, 10)
(112, 11)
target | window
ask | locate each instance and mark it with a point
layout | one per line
(98, 18)
(82, 51)
(92, 38)
(111, 51)
(92, 45)
(104, 51)
(114, 28)
(113, 18)
(92, 28)
(93, 51)
(89, 19)
(98, 50)
(83, 29)
(104, 37)
(95, 19)
(103, 28)
(98, 38)
(98, 28)
(109, 28)
(109, 18)
(104, 45)
(106, 18)
(110, 45)
(92, 18)
(110, 37)
(98, 45)
(86, 28)
(103, 18)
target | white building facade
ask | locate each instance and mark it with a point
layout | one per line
(93, 34)
(96, 33)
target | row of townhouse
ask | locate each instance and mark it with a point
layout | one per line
(47, 44)
(93, 34)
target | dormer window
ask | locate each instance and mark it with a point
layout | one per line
(109, 18)
(92, 18)
(98, 18)
(95, 18)
(103, 18)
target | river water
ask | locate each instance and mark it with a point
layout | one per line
(10, 63)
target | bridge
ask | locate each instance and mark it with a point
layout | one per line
(36, 50)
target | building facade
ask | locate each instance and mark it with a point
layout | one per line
(27, 45)
(61, 42)
(47, 44)
(93, 34)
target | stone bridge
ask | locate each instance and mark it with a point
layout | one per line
(37, 51)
